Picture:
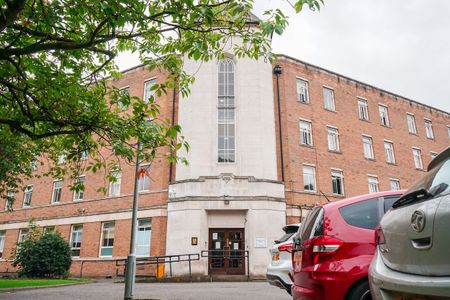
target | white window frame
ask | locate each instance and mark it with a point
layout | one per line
(363, 109)
(302, 90)
(54, 191)
(27, 200)
(76, 230)
(306, 137)
(389, 152)
(23, 235)
(417, 156)
(384, 115)
(329, 103)
(114, 187)
(337, 173)
(9, 204)
(84, 155)
(448, 131)
(79, 195)
(411, 121)
(2, 242)
(108, 231)
(144, 181)
(121, 90)
(49, 229)
(140, 244)
(333, 139)
(429, 129)
(397, 184)
(147, 91)
(314, 180)
(374, 185)
(61, 159)
(368, 138)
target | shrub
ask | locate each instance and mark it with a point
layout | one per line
(43, 256)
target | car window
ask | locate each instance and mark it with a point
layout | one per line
(362, 214)
(388, 201)
(290, 231)
(308, 224)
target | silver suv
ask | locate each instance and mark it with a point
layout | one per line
(281, 263)
(413, 256)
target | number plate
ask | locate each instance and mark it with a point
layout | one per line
(276, 257)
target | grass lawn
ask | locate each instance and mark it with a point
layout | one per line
(19, 283)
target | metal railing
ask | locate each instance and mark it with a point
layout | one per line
(227, 255)
(160, 260)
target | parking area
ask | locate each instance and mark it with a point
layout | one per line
(109, 290)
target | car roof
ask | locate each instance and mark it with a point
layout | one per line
(351, 200)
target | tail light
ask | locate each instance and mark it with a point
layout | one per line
(285, 247)
(320, 249)
(379, 236)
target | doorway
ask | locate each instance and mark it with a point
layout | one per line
(227, 255)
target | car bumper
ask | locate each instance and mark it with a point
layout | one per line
(387, 284)
(278, 275)
(279, 282)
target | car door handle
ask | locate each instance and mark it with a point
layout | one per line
(422, 243)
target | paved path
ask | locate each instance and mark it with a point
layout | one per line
(166, 291)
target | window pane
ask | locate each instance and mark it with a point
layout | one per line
(362, 214)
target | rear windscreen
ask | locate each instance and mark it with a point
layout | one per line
(362, 214)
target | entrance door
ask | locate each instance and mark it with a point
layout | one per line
(227, 255)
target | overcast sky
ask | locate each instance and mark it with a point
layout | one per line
(402, 46)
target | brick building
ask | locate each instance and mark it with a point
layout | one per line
(340, 137)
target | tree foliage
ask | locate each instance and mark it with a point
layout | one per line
(57, 55)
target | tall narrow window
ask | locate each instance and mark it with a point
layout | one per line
(429, 129)
(226, 106)
(309, 178)
(417, 155)
(411, 123)
(448, 129)
(124, 100)
(395, 184)
(114, 184)
(389, 151)
(2, 242)
(333, 139)
(328, 98)
(373, 184)
(107, 241)
(363, 110)
(144, 237)
(79, 194)
(61, 158)
(368, 147)
(57, 189)
(23, 235)
(9, 200)
(302, 91)
(148, 92)
(76, 237)
(144, 178)
(28, 194)
(384, 116)
(337, 182)
(305, 133)
(84, 155)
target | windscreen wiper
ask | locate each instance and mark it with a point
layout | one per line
(414, 196)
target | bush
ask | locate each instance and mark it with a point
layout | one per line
(43, 256)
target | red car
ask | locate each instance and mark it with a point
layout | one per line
(334, 247)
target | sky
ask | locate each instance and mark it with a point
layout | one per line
(401, 46)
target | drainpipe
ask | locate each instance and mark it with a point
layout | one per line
(172, 123)
(277, 72)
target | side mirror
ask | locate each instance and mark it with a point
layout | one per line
(297, 244)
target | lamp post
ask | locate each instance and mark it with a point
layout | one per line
(130, 275)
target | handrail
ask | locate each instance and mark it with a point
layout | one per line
(209, 254)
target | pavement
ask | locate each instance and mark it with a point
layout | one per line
(108, 290)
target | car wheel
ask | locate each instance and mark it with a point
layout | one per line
(360, 291)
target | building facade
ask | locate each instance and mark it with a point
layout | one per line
(265, 148)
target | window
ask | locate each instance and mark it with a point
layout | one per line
(309, 178)
(333, 139)
(363, 110)
(76, 237)
(28, 194)
(23, 235)
(107, 241)
(328, 97)
(364, 214)
(57, 189)
(433, 154)
(448, 129)
(302, 91)
(9, 200)
(114, 184)
(429, 129)
(34, 162)
(49, 229)
(306, 133)
(79, 194)
(148, 92)
(368, 147)
(411, 123)
(2, 242)
(143, 237)
(384, 117)
(226, 109)
(124, 98)
(417, 155)
(395, 184)
(337, 181)
(389, 151)
(61, 158)
(144, 178)
(373, 184)
(84, 155)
